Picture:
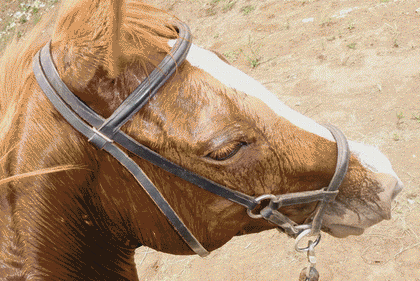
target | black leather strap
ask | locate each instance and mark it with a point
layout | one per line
(61, 89)
(343, 159)
(148, 88)
(302, 198)
(277, 218)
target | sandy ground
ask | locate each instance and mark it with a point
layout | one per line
(355, 64)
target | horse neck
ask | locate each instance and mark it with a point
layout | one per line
(50, 232)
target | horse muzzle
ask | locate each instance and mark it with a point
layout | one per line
(346, 217)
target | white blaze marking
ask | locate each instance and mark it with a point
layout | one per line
(236, 79)
(369, 156)
(373, 159)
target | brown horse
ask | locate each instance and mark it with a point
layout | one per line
(70, 211)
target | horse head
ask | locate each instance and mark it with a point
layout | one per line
(73, 205)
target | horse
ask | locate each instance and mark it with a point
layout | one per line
(71, 210)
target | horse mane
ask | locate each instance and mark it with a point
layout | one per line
(145, 26)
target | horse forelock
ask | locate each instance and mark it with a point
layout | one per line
(110, 34)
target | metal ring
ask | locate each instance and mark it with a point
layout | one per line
(264, 197)
(298, 229)
(303, 234)
(252, 215)
(258, 200)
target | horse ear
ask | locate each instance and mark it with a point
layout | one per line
(95, 33)
(87, 34)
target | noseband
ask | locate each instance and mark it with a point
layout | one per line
(106, 133)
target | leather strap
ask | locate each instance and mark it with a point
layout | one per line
(343, 159)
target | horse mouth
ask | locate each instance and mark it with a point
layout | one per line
(342, 231)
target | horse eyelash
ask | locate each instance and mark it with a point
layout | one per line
(227, 151)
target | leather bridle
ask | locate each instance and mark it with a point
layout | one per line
(105, 133)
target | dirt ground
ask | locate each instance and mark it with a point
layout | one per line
(355, 64)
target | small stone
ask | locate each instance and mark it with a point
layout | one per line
(308, 20)
(344, 12)
(38, 4)
(18, 15)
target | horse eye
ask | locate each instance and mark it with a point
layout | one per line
(227, 151)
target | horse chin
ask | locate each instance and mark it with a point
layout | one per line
(255, 227)
(351, 216)
(342, 231)
(341, 221)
